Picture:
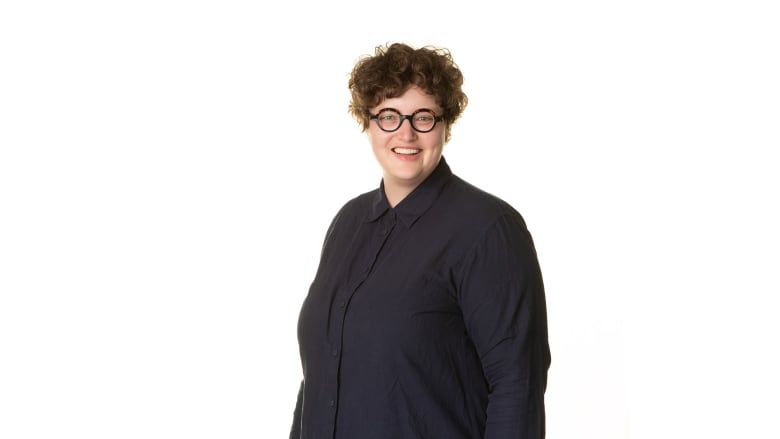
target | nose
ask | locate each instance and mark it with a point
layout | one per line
(405, 130)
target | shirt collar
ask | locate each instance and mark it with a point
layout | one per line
(411, 208)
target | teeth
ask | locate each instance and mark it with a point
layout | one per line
(407, 151)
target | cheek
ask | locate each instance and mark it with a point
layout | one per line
(438, 139)
(377, 139)
(436, 143)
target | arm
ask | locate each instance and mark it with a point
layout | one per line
(295, 431)
(502, 298)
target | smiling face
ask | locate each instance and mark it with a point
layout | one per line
(407, 157)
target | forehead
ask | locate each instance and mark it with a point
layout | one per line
(413, 99)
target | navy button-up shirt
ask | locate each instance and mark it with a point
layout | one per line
(426, 320)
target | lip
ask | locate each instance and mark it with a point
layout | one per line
(407, 157)
(406, 150)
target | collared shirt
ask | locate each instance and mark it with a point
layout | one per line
(426, 320)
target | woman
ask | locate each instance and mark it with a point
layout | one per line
(426, 317)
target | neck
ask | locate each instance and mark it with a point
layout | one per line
(395, 193)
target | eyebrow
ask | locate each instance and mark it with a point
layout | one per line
(402, 113)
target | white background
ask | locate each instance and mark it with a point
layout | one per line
(168, 170)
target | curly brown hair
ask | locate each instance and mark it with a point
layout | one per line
(396, 67)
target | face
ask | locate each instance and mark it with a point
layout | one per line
(406, 156)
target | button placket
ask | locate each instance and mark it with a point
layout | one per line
(339, 305)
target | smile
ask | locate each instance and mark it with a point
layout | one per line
(406, 151)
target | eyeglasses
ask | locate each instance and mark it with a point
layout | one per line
(390, 119)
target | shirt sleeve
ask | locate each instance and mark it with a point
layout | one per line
(501, 295)
(295, 430)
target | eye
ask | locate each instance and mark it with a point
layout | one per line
(387, 117)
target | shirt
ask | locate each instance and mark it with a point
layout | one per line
(426, 320)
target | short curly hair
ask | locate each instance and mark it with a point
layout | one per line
(394, 68)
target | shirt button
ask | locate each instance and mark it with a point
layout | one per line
(331, 403)
(334, 352)
(342, 304)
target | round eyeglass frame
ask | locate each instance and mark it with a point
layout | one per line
(402, 117)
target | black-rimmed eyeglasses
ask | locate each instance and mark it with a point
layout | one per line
(390, 119)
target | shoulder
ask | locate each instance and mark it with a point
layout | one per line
(470, 219)
(493, 235)
(357, 207)
(477, 205)
(348, 217)
(353, 211)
